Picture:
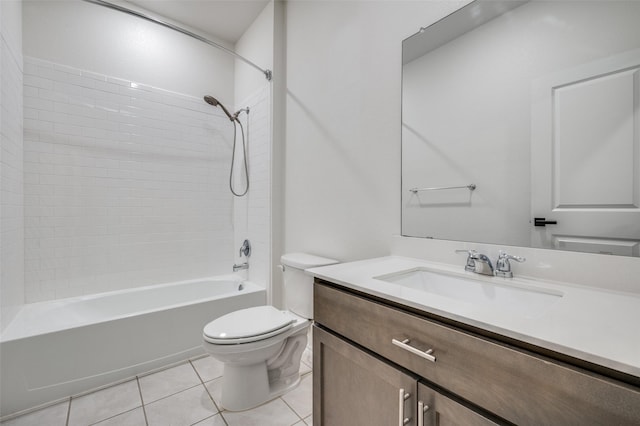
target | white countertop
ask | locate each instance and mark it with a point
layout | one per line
(594, 325)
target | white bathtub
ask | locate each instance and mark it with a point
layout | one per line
(55, 349)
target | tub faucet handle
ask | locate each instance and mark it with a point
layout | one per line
(246, 248)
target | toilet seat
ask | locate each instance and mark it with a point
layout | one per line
(248, 325)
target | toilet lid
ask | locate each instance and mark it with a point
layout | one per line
(247, 325)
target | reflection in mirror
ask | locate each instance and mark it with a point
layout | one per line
(536, 104)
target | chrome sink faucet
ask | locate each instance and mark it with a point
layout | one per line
(477, 262)
(481, 264)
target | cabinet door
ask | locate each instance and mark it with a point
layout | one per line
(352, 387)
(443, 411)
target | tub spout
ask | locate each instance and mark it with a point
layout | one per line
(242, 266)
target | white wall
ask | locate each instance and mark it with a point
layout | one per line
(11, 164)
(256, 44)
(342, 177)
(95, 38)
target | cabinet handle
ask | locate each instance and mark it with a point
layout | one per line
(403, 396)
(405, 345)
(422, 408)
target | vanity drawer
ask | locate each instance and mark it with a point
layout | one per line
(519, 386)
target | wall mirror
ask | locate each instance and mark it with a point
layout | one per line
(521, 126)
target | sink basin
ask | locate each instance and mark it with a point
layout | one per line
(491, 292)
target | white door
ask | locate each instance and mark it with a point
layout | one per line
(586, 157)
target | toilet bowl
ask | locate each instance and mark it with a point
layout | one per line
(261, 347)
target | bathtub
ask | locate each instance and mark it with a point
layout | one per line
(55, 349)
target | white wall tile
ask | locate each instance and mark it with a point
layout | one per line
(126, 185)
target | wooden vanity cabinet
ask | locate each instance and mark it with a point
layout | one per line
(354, 387)
(358, 373)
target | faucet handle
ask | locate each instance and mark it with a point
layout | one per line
(503, 267)
(246, 248)
(469, 252)
(471, 264)
(507, 256)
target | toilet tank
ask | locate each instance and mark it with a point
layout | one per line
(298, 286)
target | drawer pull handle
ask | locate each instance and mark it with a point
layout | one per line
(403, 396)
(405, 345)
(422, 409)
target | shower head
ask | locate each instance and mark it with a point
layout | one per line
(213, 101)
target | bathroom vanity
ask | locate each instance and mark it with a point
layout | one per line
(385, 355)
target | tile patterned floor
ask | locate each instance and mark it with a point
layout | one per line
(185, 395)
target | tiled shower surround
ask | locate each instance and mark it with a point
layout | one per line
(125, 185)
(252, 213)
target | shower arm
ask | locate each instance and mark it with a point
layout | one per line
(246, 110)
(267, 73)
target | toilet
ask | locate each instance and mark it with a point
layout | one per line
(261, 347)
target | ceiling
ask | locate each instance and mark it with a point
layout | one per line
(225, 20)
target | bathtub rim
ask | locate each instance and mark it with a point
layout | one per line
(8, 334)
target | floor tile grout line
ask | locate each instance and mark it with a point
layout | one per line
(302, 377)
(224, 419)
(204, 384)
(68, 412)
(71, 398)
(144, 411)
(202, 420)
(291, 408)
(184, 390)
(115, 415)
(173, 394)
(219, 411)
(196, 370)
(215, 404)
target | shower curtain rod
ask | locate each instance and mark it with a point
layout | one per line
(267, 73)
